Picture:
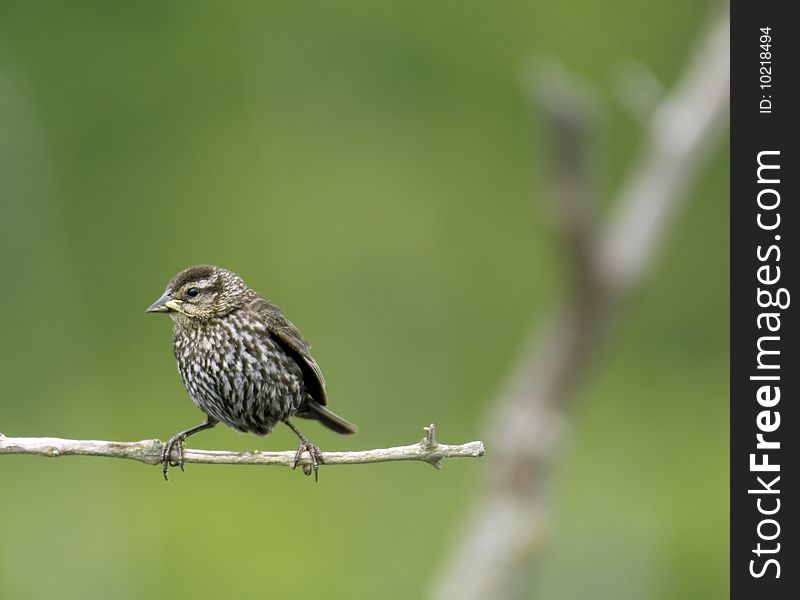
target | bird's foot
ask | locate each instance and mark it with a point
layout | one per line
(177, 442)
(314, 453)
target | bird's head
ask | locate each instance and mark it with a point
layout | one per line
(200, 293)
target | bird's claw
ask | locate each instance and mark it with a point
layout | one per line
(177, 442)
(314, 453)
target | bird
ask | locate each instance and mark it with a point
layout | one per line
(244, 364)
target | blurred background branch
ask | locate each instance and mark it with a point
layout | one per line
(149, 451)
(506, 527)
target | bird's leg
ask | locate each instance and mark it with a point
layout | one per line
(177, 440)
(305, 446)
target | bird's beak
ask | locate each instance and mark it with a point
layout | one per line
(165, 304)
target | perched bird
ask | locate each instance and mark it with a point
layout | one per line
(242, 362)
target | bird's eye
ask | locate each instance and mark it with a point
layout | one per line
(192, 292)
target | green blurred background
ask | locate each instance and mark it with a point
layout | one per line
(374, 168)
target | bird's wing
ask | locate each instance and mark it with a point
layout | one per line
(285, 333)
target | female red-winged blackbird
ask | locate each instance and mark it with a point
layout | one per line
(243, 363)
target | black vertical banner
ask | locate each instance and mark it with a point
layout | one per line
(765, 262)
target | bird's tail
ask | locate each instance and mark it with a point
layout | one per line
(315, 410)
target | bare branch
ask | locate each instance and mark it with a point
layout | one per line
(685, 126)
(570, 109)
(507, 524)
(149, 451)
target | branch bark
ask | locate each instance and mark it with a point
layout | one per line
(149, 451)
(506, 528)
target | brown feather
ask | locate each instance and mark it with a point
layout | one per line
(284, 332)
